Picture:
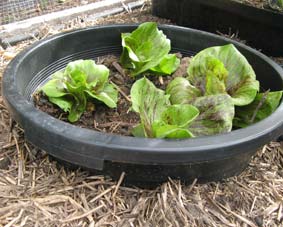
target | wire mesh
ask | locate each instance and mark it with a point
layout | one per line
(17, 10)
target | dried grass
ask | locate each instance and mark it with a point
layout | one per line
(36, 191)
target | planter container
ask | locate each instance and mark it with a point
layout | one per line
(261, 28)
(143, 160)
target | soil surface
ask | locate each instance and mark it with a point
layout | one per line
(98, 116)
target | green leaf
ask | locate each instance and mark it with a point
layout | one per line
(149, 102)
(97, 74)
(81, 80)
(179, 115)
(263, 105)
(78, 107)
(89, 74)
(244, 92)
(168, 65)
(63, 102)
(138, 131)
(56, 86)
(174, 121)
(75, 77)
(162, 130)
(240, 83)
(145, 48)
(181, 91)
(109, 95)
(216, 115)
(215, 77)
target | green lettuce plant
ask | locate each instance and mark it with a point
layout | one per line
(147, 49)
(160, 119)
(80, 81)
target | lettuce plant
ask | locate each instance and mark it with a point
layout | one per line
(223, 86)
(147, 49)
(81, 80)
(223, 69)
(160, 119)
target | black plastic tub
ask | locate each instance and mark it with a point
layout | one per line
(261, 28)
(143, 160)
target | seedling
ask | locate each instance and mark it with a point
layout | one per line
(222, 85)
(81, 81)
(147, 49)
(160, 119)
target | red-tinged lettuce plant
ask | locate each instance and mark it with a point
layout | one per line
(222, 85)
(79, 82)
(147, 49)
(160, 119)
(223, 69)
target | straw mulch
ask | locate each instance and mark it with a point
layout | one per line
(36, 191)
(256, 3)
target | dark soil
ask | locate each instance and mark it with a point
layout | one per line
(98, 116)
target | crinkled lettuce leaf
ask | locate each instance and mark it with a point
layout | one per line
(216, 76)
(149, 102)
(223, 69)
(263, 105)
(160, 119)
(71, 88)
(216, 115)
(56, 87)
(168, 65)
(216, 110)
(181, 91)
(174, 121)
(147, 48)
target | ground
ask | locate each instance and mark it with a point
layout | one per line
(37, 191)
(262, 4)
(16, 10)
